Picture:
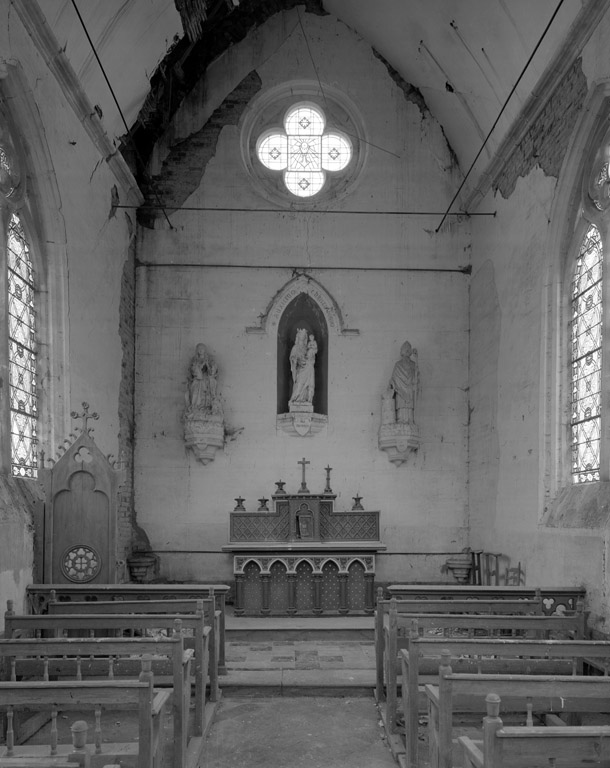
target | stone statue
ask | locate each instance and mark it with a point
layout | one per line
(201, 393)
(404, 385)
(302, 366)
(204, 427)
(398, 433)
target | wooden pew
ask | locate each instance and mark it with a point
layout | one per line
(396, 628)
(78, 757)
(110, 624)
(528, 694)
(85, 658)
(79, 695)
(554, 599)
(423, 655)
(411, 606)
(521, 747)
(135, 607)
(38, 596)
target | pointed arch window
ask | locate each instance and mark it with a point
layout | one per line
(22, 351)
(586, 359)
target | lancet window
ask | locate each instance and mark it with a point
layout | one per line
(20, 348)
(586, 358)
(22, 351)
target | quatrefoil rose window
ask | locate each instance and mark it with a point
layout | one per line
(304, 150)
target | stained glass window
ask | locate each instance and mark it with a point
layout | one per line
(586, 359)
(303, 151)
(22, 352)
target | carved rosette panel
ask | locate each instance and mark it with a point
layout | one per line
(80, 563)
(341, 562)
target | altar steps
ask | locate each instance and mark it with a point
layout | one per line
(299, 656)
(264, 628)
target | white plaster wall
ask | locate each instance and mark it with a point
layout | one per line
(364, 262)
(508, 387)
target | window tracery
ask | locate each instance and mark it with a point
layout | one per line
(586, 358)
(19, 282)
(304, 151)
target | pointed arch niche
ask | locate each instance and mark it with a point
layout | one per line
(302, 303)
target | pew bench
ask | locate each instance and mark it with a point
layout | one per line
(109, 695)
(397, 628)
(521, 747)
(439, 606)
(38, 596)
(214, 616)
(554, 599)
(117, 624)
(527, 694)
(136, 607)
(422, 656)
(77, 659)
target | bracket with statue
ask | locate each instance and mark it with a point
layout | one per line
(398, 433)
(205, 428)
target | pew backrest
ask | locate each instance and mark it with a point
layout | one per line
(507, 747)
(78, 695)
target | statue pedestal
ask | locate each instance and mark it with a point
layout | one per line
(301, 420)
(204, 434)
(399, 441)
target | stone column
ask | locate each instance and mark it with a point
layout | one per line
(343, 604)
(266, 585)
(292, 593)
(317, 593)
(239, 594)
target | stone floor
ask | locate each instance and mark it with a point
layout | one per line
(301, 732)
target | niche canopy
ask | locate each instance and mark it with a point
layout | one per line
(304, 151)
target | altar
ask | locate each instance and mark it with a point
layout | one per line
(302, 555)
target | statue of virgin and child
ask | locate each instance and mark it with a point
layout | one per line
(302, 367)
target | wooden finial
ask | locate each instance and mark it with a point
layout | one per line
(492, 702)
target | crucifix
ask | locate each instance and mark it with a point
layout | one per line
(303, 488)
(85, 416)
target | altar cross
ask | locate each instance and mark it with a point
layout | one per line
(303, 488)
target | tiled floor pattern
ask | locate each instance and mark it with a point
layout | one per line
(297, 654)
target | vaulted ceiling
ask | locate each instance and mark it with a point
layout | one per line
(465, 56)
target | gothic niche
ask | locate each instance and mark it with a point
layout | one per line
(302, 367)
(398, 433)
(204, 427)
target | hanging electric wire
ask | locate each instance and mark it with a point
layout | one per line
(491, 130)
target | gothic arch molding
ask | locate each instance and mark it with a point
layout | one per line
(302, 283)
(47, 231)
(566, 226)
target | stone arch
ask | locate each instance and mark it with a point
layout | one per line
(302, 283)
(42, 215)
(302, 312)
(564, 231)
